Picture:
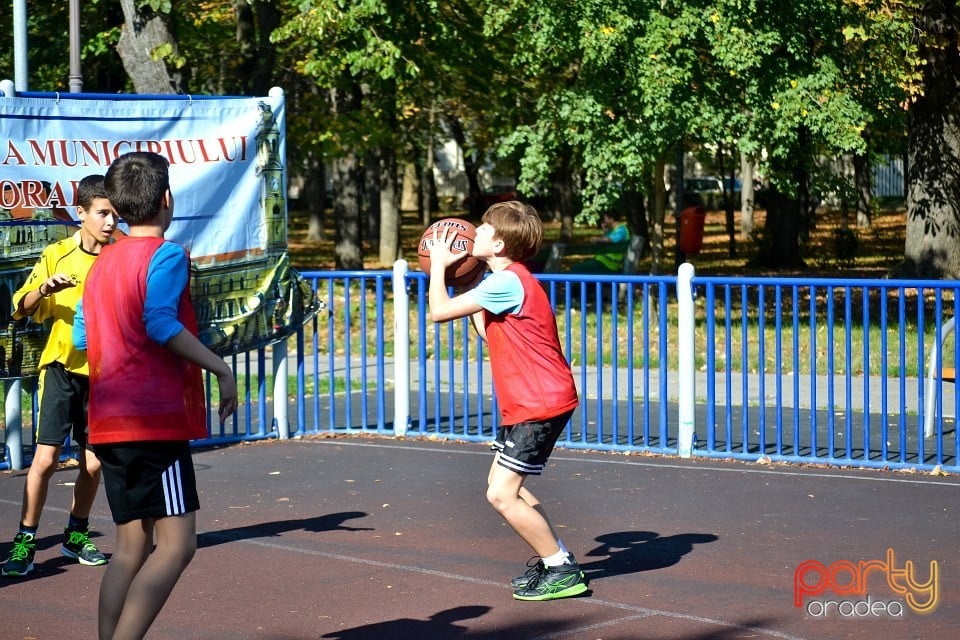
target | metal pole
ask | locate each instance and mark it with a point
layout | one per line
(20, 44)
(14, 422)
(13, 418)
(401, 349)
(280, 375)
(934, 391)
(686, 389)
(76, 76)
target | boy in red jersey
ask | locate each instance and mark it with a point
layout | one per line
(137, 323)
(531, 377)
(50, 293)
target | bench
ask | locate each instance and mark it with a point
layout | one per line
(631, 260)
(631, 257)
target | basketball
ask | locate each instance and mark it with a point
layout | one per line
(463, 273)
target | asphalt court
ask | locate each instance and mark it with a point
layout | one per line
(361, 538)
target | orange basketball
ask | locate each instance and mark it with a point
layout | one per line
(463, 273)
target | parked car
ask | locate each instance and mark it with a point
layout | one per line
(707, 192)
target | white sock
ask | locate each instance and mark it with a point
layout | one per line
(556, 559)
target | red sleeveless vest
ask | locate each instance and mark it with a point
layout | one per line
(139, 389)
(531, 376)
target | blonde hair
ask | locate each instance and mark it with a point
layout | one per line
(518, 225)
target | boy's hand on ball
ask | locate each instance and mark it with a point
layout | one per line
(441, 255)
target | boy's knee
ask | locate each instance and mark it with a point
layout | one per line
(42, 467)
(497, 497)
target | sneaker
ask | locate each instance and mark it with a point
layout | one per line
(534, 567)
(553, 583)
(20, 562)
(78, 546)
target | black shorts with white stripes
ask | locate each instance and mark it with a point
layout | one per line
(148, 479)
(525, 447)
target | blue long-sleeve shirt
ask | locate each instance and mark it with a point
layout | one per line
(167, 276)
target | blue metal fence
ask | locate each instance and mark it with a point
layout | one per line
(785, 369)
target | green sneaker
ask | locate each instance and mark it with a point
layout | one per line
(534, 568)
(553, 583)
(20, 562)
(78, 546)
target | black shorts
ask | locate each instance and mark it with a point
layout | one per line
(526, 446)
(63, 406)
(148, 479)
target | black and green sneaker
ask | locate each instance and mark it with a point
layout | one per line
(553, 583)
(534, 567)
(78, 546)
(20, 562)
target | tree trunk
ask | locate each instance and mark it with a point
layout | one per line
(346, 187)
(315, 195)
(144, 32)
(659, 212)
(371, 198)
(409, 188)
(783, 226)
(258, 55)
(726, 182)
(562, 192)
(635, 211)
(862, 180)
(389, 211)
(346, 212)
(428, 184)
(932, 247)
(747, 196)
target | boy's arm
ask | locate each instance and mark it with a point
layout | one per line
(442, 306)
(167, 278)
(189, 347)
(39, 285)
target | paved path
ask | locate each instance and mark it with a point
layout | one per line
(363, 538)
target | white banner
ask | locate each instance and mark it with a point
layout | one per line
(228, 178)
(48, 145)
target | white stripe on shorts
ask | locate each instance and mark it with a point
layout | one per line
(173, 490)
(519, 466)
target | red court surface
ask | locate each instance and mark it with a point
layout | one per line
(363, 538)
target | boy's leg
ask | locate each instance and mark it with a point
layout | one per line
(77, 543)
(88, 482)
(133, 545)
(176, 543)
(19, 561)
(504, 495)
(42, 467)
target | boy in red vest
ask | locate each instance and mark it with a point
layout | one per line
(531, 377)
(137, 323)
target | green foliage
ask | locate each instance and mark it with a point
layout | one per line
(606, 87)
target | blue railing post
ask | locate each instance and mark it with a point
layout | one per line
(686, 389)
(401, 349)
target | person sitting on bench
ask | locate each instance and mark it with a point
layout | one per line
(609, 248)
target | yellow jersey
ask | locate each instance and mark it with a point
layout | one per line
(67, 257)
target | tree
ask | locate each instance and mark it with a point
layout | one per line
(933, 194)
(146, 44)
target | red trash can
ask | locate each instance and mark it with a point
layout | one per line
(691, 229)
